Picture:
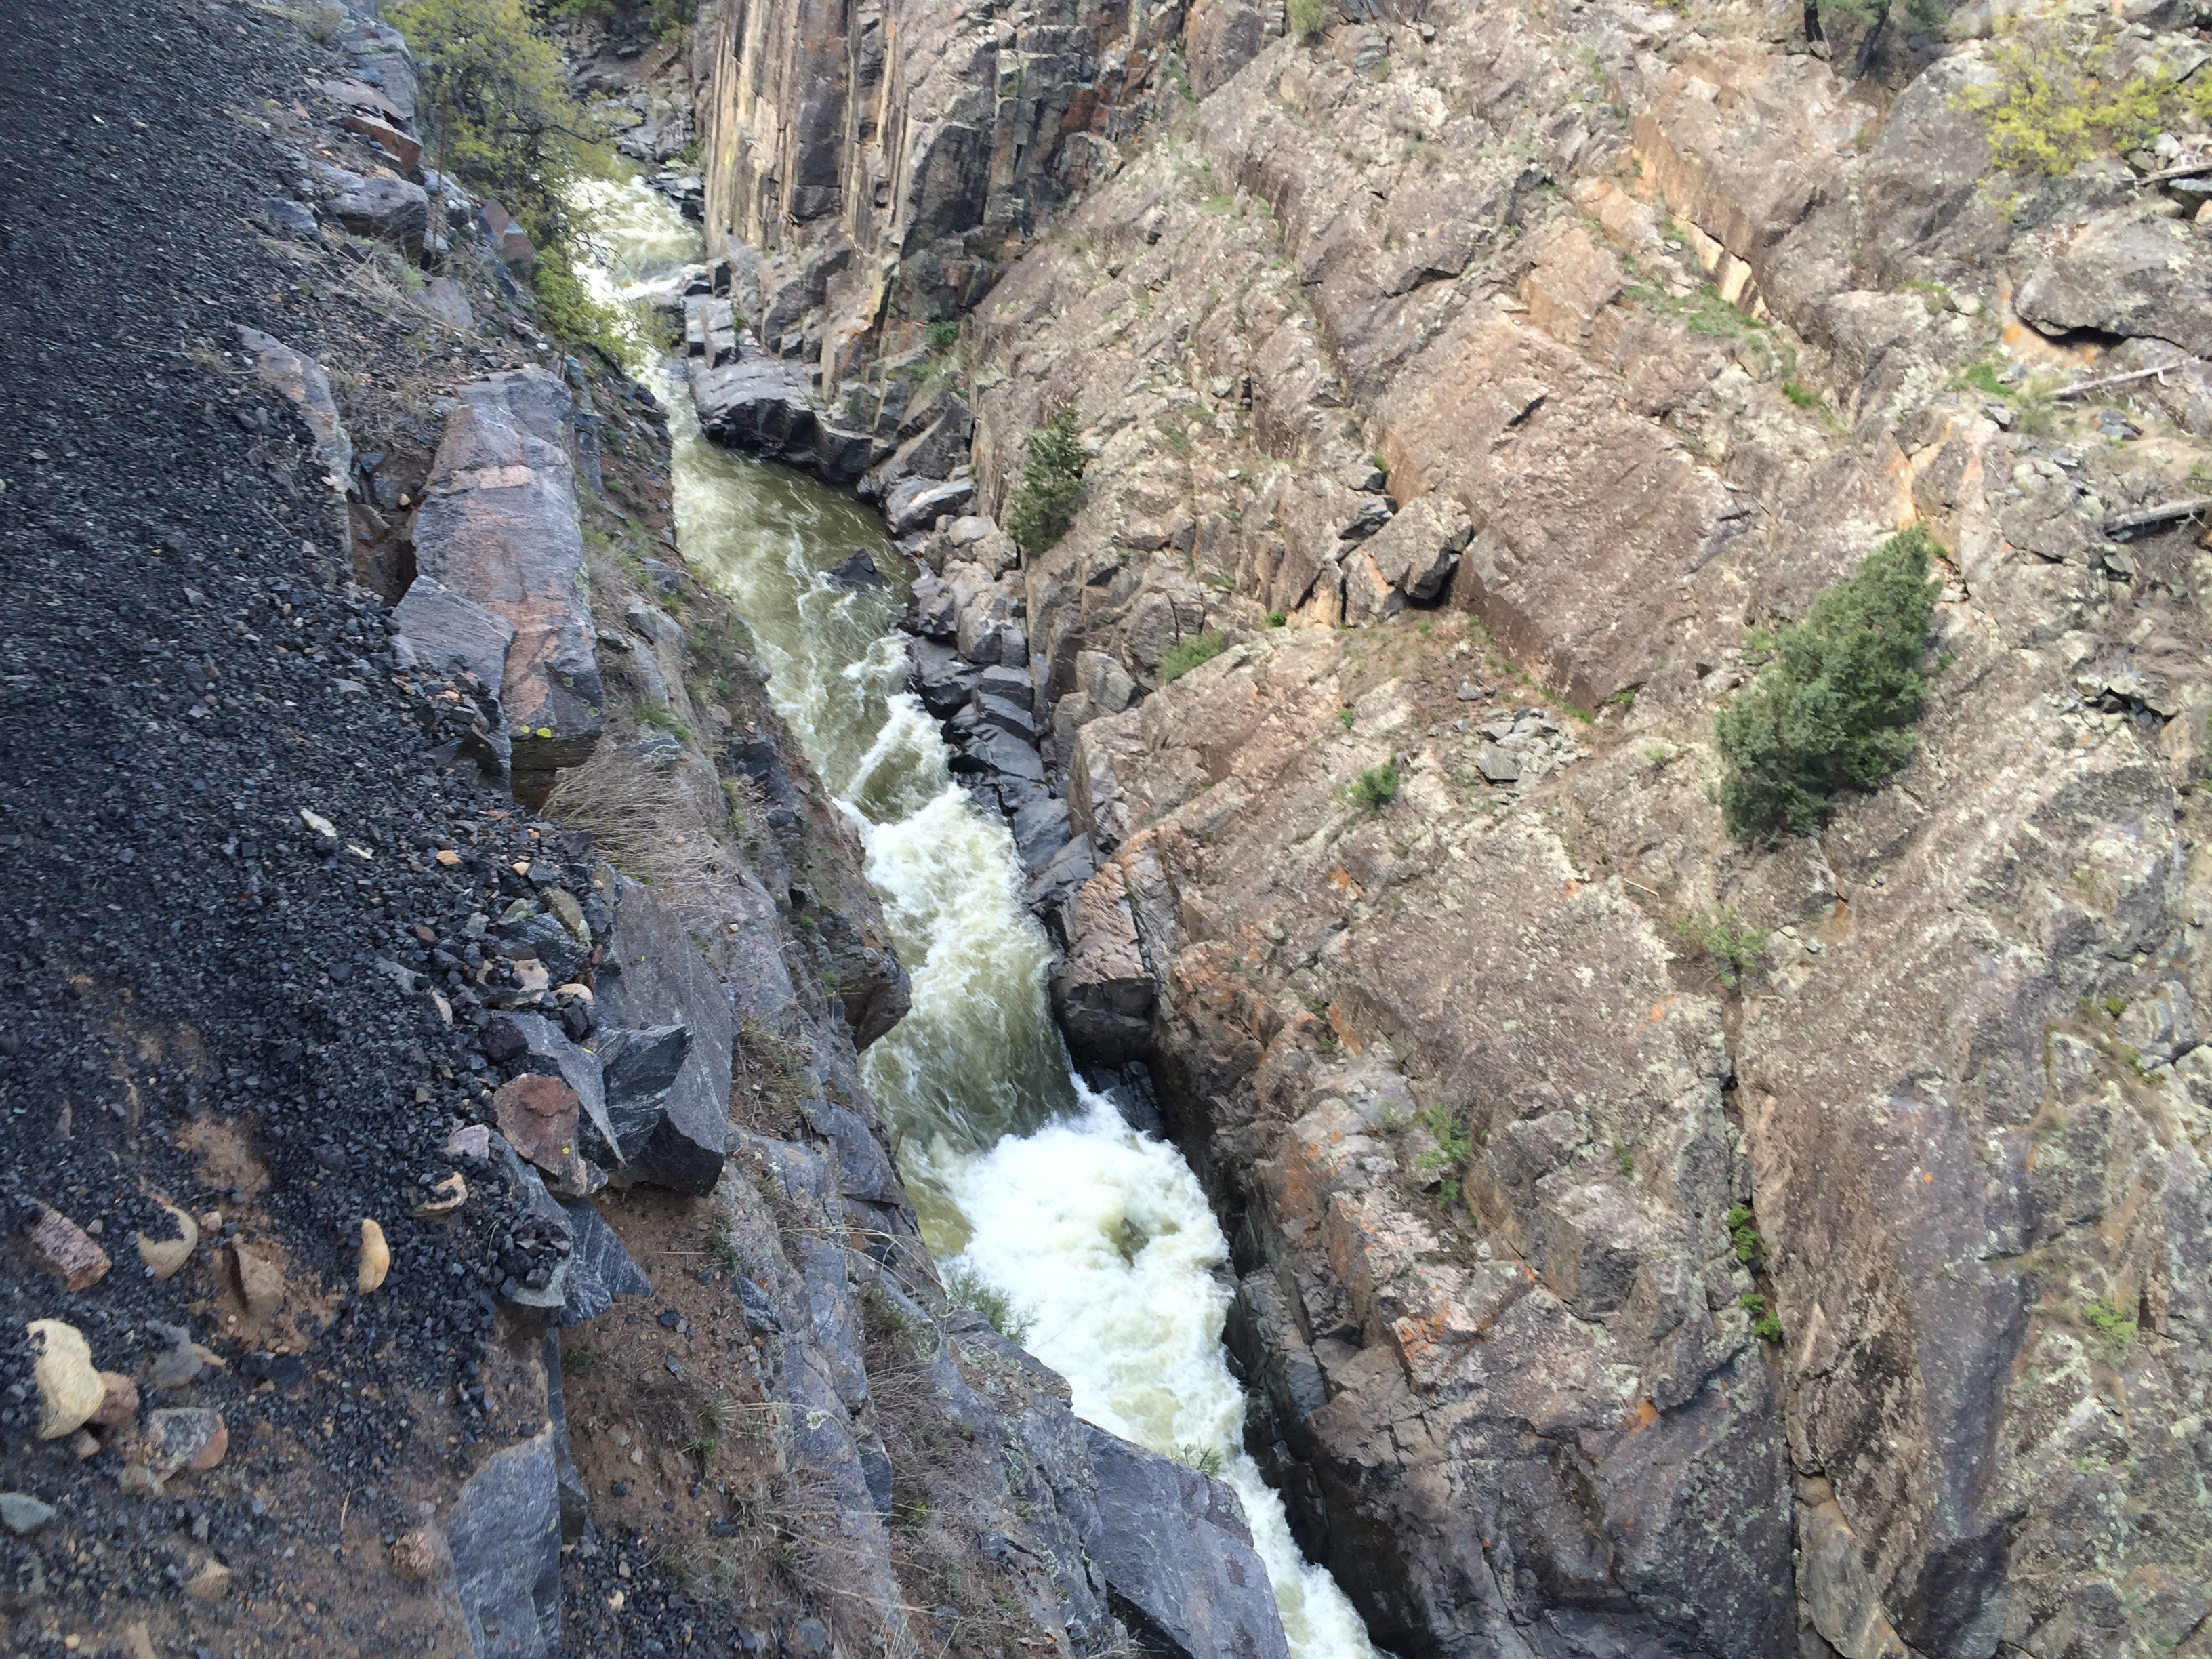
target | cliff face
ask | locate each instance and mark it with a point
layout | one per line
(1518, 362)
(886, 160)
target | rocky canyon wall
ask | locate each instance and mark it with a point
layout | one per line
(886, 160)
(1461, 385)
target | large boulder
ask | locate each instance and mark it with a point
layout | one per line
(498, 525)
(765, 406)
(505, 1536)
(1176, 1551)
(377, 205)
(1101, 989)
(674, 1134)
(301, 381)
(2123, 274)
(918, 504)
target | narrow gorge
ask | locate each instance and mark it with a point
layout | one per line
(1199, 829)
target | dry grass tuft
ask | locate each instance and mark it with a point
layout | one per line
(641, 819)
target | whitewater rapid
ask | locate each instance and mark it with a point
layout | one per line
(1100, 1236)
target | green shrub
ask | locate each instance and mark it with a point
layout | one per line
(945, 335)
(1724, 936)
(1743, 1236)
(1455, 1145)
(1043, 504)
(966, 1288)
(1827, 711)
(2114, 1325)
(1207, 1460)
(567, 310)
(1198, 648)
(1310, 17)
(498, 108)
(1765, 1324)
(1278, 619)
(2056, 100)
(1378, 787)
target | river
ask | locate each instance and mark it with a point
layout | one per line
(1099, 1236)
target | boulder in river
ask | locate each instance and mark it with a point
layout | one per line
(859, 571)
(1176, 1551)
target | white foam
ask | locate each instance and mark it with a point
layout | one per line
(1103, 1237)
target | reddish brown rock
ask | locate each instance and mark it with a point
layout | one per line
(67, 1251)
(120, 1403)
(537, 1115)
(259, 1279)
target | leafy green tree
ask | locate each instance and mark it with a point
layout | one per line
(502, 115)
(1043, 504)
(1829, 710)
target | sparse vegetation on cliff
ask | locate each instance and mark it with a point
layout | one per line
(2057, 101)
(1829, 707)
(1199, 648)
(1733, 944)
(1378, 787)
(966, 1288)
(1043, 504)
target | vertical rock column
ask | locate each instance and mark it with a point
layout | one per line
(500, 552)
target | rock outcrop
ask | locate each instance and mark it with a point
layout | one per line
(498, 532)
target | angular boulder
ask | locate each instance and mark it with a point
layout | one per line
(498, 525)
(918, 504)
(378, 206)
(505, 1536)
(2134, 277)
(304, 385)
(652, 977)
(764, 406)
(1180, 1569)
(1101, 989)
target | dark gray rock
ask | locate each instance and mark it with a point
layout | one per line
(291, 218)
(859, 571)
(664, 981)
(836, 1316)
(639, 1067)
(1050, 888)
(992, 749)
(498, 525)
(760, 1317)
(1006, 716)
(1010, 684)
(863, 1171)
(934, 610)
(941, 679)
(599, 1269)
(1178, 1558)
(378, 206)
(575, 1503)
(505, 1536)
(1041, 831)
(542, 936)
(434, 627)
(764, 406)
(918, 504)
